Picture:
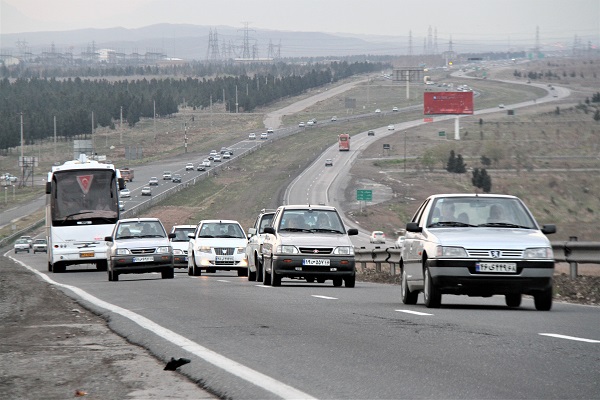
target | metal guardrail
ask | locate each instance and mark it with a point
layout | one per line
(571, 251)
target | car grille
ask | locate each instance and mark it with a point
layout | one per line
(224, 251)
(316, 250)
(143, 251)
(478, 253)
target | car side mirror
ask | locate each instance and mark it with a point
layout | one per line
(548, 229)
(172, 235)
(269, 229)
(191, 235)
(352, 231)
(108, 239)
(121, 183)
(48, 187)
(413, 227)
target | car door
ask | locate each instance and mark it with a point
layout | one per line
(413, 245)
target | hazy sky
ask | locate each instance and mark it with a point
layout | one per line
(505, 20)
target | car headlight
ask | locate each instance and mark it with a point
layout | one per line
(240, 250)
(448, 251)
(177, 252)
(344, 250)
(205, 249)
(163, 249)
(540, 252)
(287, 249)
(122, 252)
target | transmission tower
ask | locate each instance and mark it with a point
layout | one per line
(537, 42)
(212, 52)
(410, 46)
(246, 42)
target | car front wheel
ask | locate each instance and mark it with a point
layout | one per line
(543, 300)
(433, 297)
(513, 300)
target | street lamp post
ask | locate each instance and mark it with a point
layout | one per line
(404, 151)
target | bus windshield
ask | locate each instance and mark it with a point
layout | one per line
(84, 196)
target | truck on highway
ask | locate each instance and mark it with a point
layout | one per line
(127, 174)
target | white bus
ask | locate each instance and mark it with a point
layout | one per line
(82, 207)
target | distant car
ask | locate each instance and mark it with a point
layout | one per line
(40, 246)
(180, 244)
(226, 150)
(252, 136)
(377, 237)
(139, 245)
(333, 119)
(399, 242)
(218, 245)
(329, 162)
(125, 193)
(29, 240)
(264, 136)
(146, 191)
(395, 109)
(212, 154)
(500, 105)
(217, 158)
(270, 131)
(21, 245)
(391, 127)
(314, 121)
(121, 205)
(477, 245)
(377, 111)
(153, 181)
(167, 175)
(371, 133)
(189, 166)
(201, 167)
(177, 178)
(226, 156)
(310, 123)
(206, 163)
(301, 125)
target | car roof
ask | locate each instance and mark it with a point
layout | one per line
(217, 221)
(305, 206)
(144, 219)
(482, 195)
(183, 227)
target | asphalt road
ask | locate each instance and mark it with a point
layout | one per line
(313, 340)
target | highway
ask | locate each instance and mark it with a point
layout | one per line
(303, 340)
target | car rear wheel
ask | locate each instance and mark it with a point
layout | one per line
(259, 271)
(243, 272)
(102, 265)
(168, 274)
(310, 279)
(433, 297)
(513, 299)
(408, 297)
(543, 300)
(320, 280)
(337, 282)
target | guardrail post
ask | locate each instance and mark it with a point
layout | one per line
(573, 264)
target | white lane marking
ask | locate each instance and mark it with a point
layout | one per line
(556, 335)
(413, 312)
(222, 280)
(263, 286)
(216, 359)
(324, 297)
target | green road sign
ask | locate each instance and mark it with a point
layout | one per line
(364, 195)
(442, 133)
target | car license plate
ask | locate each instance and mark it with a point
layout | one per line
(143, 259)
(316, 261)
(223, 258)
(86, 255)
(496, 267)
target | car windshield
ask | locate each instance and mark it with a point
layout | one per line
(309, 220)
(181, 234)
(140, 229)
(502, 212)
(222, 230)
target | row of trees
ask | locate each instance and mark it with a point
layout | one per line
(480, 178)
(72, 101)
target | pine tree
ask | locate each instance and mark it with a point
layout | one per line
(451, 165)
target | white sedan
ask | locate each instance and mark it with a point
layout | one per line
(125, 193)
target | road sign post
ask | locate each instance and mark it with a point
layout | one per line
(364, 195)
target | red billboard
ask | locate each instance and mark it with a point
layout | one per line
(447, 103)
